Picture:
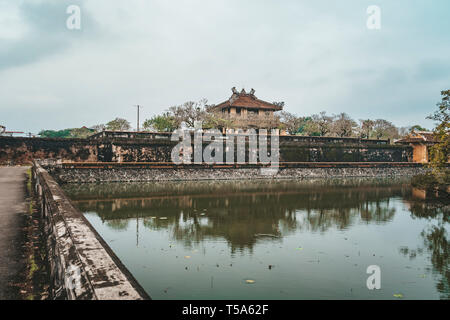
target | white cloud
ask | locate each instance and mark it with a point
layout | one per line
(11, 22)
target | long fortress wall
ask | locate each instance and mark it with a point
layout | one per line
(158, 147)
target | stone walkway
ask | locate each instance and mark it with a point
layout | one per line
(12, 209)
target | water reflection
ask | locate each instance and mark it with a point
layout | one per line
(424, 205)
(250, 215)
(241, 213)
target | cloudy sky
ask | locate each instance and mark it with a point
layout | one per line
(313, 55)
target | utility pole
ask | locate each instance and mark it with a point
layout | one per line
(137, 106)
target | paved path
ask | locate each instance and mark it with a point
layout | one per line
(12, 208)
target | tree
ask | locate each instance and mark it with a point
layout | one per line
(82, 132)
(118, 124)
(366, 128)
(343, 125)
(385, 129)
(310, 128)
(215, 120)
(161, 123)
(320, 124)
(403, 131)
(189, 112)
(98, 127)
(417, 128)
(439, 153)
(291, 122)
(303, 125)
(439, 177)
(65, 133)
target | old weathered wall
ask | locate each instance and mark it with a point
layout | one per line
(301, 149)
(128, 173)
(344, 153)
(82, 266)
(24, 150)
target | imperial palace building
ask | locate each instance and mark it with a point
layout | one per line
(244, 111)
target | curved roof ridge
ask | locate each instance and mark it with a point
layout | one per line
(246, 100)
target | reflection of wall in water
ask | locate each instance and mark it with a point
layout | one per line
(241, 217)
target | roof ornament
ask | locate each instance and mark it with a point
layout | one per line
(278, 104)
(234, 96)
(252, 92)
(243, 91)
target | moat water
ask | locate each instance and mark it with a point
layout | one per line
(311, 239)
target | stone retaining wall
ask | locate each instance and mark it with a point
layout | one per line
(82, 265)
(127, 174)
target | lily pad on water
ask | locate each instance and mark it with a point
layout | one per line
(266, 235)
(398, 295)
(250, 281)
(187, 257)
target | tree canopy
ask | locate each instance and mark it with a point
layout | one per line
(161, 123)
(82, 132)
(118, 124)
(440, 152)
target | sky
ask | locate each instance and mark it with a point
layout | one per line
(313, 55)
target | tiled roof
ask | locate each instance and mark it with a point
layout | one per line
(246, 100)
(428, 136)
(410, 140)
(418, 137)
